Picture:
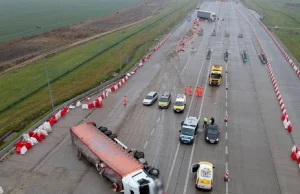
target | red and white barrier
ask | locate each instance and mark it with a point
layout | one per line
(290, 61)
(286, 121)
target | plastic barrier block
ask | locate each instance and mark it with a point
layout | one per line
(28, 145)
(91, 106)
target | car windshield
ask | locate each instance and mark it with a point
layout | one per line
(163, 100)
(187, 131)
(179, 103)
(149, 97)
(212, 131)
(216, 76)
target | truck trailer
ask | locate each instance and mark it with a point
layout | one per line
(207, 15)
(127, 170)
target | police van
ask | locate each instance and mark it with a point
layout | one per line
(189, 130)
(180, 103)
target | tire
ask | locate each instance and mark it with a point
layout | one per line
(108, 132)
(112, 136)
(102, 129)
(139, 155)
(154, 172)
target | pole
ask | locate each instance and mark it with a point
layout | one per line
(119, 40)
(46, 70)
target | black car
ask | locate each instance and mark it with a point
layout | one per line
(212, 133)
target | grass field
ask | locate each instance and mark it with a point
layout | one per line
(281, 13)
(20, 18)
(85, 77)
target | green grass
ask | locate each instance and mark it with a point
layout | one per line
(100, 68)
(20, 18)
(278, 13)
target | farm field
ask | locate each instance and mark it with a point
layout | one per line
(81, 68)
(284, 14)
(21, 18)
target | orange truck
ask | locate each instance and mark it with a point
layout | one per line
(127, 170)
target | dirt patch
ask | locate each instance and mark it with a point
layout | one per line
(18, 50)
(292, 4)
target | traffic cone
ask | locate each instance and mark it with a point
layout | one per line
(226, 176)
(226, 118)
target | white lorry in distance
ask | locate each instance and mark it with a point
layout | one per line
(207, 15)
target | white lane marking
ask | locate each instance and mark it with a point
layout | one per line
(226, 150)
(172, 168)
(145, 144)
(193, 148)
(226, 137)
(194, 92)
(226, 94)
(152, 131)
(226, 124)
(158, 120)
(189, 57)
(226, 166)
(226, 185)
(226, 112)
(226, 104)
(170, 174)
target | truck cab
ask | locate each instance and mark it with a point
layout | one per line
(215, 76)
(189, 130)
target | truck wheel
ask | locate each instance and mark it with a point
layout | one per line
(154, 172)
(108, 132)
(139, 155)
(102, 129)
(112, 136)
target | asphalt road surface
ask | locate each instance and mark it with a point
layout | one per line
(253, 146)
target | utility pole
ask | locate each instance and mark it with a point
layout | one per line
(46, 70)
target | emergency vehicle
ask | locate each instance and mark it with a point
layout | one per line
(128, 171)
(205, 175)
(215, 76)
(180, 103)
(189, 130)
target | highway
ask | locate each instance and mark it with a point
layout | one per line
(254, 146)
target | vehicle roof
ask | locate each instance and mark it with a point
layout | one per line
(217, 68)
(107, 150)
(207, 168)
(191, 121)
(151, 93)
(180, 97)
(166, 94)
(214, 126)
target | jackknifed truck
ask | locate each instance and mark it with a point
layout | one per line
(126, 169)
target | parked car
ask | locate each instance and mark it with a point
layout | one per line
(150, 98)
(212, 133)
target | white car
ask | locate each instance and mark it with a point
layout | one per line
(205, 175)
(150, 98)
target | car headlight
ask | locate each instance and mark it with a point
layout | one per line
(207, 138)
(217, 139)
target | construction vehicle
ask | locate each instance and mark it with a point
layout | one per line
(126, 169)
(207, 15)
(189, 129)
(215, 76)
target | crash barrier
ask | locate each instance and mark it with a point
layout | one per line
(288, 58)
(195, 30)
(285, 119)
(69, 103)
(33, 137)
(295, 154)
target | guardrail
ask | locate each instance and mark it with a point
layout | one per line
(81, 96)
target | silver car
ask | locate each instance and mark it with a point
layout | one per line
(150, 98)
